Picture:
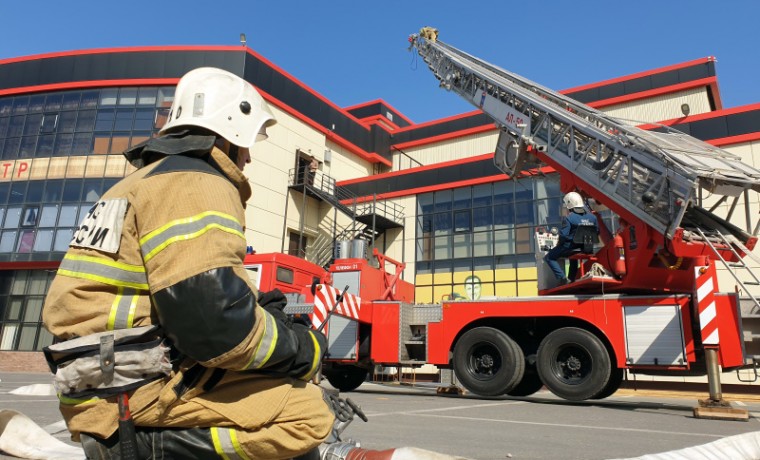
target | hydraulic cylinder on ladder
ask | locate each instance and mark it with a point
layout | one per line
(654, 181)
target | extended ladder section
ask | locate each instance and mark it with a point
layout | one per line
(656, 176)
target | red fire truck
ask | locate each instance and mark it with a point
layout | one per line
(280, 271)
(647, 299)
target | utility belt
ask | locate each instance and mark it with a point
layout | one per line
(108, 363)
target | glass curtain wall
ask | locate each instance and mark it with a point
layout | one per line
(478, 242)
(59, 152)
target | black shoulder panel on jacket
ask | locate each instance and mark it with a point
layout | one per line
(178, 163)
(208, 314)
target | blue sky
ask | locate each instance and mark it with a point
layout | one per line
(353, 51)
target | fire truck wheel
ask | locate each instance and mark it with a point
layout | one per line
(488, 362)
(529, 384)
(574, 364)
(346, 377)
(616, 379)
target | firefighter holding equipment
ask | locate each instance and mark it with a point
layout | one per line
(152, 301)
(577, 216)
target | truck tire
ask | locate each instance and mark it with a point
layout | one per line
(616, 379)
(529, 384)
(345, 377)
(573, 364)
(487, 362)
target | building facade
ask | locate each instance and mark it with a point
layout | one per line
(423, 193)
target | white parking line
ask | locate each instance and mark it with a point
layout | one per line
(441, 409)
(564, 425)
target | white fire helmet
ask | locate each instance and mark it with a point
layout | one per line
(221, 102)
(573, 200)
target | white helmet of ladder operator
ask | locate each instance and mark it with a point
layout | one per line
(573, 200)
(222, 102)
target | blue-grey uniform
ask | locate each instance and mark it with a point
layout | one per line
(565, 246)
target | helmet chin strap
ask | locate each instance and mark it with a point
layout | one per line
(233, 153)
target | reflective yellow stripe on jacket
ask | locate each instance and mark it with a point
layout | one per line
(188, 229)
(266, 345)
(226, 444)
(123, 309)
(317, 355)
(75, 402)
(104, 271)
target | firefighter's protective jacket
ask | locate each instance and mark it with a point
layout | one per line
(165, 247)
(571, 222)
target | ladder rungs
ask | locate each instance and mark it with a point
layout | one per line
(731, 265)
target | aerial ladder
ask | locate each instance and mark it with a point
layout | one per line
(645, 177)
(656, 181)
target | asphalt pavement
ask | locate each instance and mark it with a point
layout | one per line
(628, 424)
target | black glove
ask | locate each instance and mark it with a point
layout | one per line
(274, 303)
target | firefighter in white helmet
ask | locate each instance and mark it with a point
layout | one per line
(577, 216)
(152, 301)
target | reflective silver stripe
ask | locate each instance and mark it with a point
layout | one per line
(266, 345)
(123, 309)
(226, 444)
(104, 271)
(187, 229)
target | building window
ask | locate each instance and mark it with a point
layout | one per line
(30, 216)
(482, 235)
(22, 294)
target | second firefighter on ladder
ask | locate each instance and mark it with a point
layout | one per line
(577, 216)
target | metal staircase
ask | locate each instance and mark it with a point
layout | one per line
(323, 188)
(369, 219)
(656, 176)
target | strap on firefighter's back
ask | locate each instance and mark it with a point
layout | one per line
(108, 363)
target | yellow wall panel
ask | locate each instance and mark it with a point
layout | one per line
(459, 277)
(487, 290)
(441, 292)
(442, 278)
(528, 288)
(527, 273)
(423, 280)
(506, 274)
(423, 295)
(484, 275)
(506, 289)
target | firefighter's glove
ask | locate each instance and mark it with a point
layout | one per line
(274, 303)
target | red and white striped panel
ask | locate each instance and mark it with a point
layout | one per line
(706, 285)
(325, 301)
